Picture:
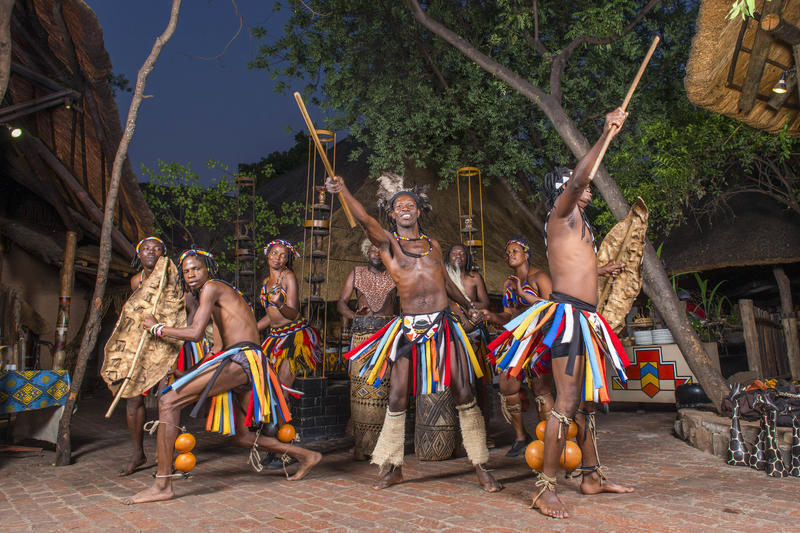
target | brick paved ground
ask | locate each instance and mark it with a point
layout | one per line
(678, 488)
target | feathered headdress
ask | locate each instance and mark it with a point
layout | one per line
(390, 186)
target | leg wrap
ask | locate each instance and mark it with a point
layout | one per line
(591, 427)
(510, 409)
(543, 405)
(473, 432)
(543, 483)
(390, 446)
(563, 423)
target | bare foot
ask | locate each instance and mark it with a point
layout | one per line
(305, 465)
(152, 494)
(550, 505)
(487, 480)
(392, 477)
(593, 484)
(135, 463)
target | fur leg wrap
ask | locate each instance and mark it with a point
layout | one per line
(510, 409)
(473, 432)
(391, 441)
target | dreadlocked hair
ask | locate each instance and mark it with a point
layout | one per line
(390, 187)
(468, 265)
(552, 185)
(522, 241)
(205, 257)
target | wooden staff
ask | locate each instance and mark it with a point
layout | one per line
(313, 132)
(138, 353)
(624, 105)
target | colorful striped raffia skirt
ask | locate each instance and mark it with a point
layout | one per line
(267, 403)
(567, 327)
(297, 342)
(433, 342)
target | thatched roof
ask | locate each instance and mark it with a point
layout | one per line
(757, 231)
(719, 45)
(68, 148)
(501, 220)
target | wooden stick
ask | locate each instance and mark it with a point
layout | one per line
(138, 353)
(625, 103)
(313, 132)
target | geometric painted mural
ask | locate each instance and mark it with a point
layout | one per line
(655, 372)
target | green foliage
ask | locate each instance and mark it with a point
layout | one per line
(742, 8)
(189, 214)
(277, 163)
(118, 82)
(412, 97)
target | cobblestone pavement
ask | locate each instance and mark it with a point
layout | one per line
(678, 488)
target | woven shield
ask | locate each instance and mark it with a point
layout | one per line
(157, 354)
(623, 244)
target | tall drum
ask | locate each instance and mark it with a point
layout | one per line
(367, 403)
(437, 426)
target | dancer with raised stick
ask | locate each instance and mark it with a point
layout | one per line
(567, 328)
(425, 345)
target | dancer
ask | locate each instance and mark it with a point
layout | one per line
(526, 286)
(458, 263)
(292, 345)
(426, 346)
(568, 328)
(148, 251)
(250, 382)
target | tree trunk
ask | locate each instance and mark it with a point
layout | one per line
(64, 298)
(6, 8)
(656, 282)
(63, 446)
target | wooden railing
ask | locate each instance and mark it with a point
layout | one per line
(765, 339)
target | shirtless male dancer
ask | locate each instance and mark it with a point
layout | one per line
(573, 266)
(523, 288)
(148, 251)
(418, 342)
(237, 327)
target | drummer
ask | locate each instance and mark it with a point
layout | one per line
(148, 251)
(374, 289)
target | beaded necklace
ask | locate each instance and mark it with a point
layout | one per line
(400, 238)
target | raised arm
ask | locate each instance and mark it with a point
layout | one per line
(344, 298)
(580, 179)
(375, 233)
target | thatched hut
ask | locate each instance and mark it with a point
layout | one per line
(55, 177)
(734, 64)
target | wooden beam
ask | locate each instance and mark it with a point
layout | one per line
(32, 106)
(758, 59)
(32, 75)
(780, 28)
(796, 55)
(747, 312)
(64, 298)
(83, 196)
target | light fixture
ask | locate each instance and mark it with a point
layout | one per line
(14, 132)
(781, 87)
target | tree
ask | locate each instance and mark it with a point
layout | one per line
(63, 444)
(189, 214)
(447, 92)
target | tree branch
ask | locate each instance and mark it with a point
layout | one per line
(560, 61)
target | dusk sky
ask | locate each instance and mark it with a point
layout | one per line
(200, 109)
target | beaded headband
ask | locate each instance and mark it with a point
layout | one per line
(524, 246)
(187, 253)
(287, 244)
(138, 246)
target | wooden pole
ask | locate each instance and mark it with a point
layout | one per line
(788, 321)
(747, 311)
(138, 354)
(64, 298)
(625, 103)
(328, 168)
